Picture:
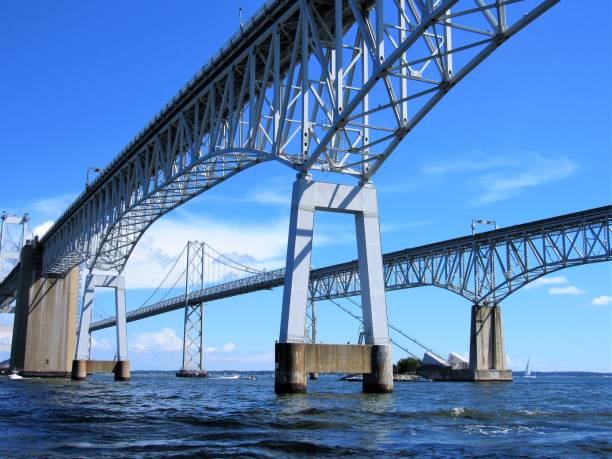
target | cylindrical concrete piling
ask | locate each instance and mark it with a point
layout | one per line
(290, 371)
(122, 370)
(380, 381)
(79, 370)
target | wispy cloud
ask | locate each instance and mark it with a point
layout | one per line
(534, 170)
(602, 300)
(50, 207)
(490, 177)
(568, 290)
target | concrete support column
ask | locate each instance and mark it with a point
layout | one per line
(309, 196)
(380, 380)
(122, 369)
(45, 319)
(290, 369)
(487, 353)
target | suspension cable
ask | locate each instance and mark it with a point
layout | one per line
(361, 320)
(166, 277)
(404, 334)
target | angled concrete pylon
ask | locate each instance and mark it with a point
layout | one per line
(82, 363)
(294, 358)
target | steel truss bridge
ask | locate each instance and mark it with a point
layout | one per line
(484, 268)
(318, 85)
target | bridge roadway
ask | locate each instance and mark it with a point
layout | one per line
(515, 255)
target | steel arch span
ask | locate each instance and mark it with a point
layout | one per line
(318, 85)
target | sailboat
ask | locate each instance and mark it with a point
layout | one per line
(528, 370)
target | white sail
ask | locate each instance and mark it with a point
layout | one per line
(528, 370)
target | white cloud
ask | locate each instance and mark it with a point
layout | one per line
(162, 341)
(227, 347)
(569, 290)
(258, 245)
(102, 344)
(602, 300)
(553, 280)
(41, 229)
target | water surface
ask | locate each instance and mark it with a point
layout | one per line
(159, 415)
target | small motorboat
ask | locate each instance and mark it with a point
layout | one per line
(230, 377)
(14, 375)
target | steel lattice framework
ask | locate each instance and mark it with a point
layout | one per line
(484, 268)
(319, 85)
(489, 267)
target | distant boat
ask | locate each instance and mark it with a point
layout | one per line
(229, 377)
(528, 370)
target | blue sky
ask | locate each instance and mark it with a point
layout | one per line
(525, 136)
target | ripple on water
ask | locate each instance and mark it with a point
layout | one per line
(159, 416)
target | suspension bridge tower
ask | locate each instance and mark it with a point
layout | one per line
(14, 232)
(193, 329)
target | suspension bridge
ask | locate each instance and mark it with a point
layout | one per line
(324, 87)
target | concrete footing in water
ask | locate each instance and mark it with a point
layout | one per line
(182, 373)
(487, 358)
(295, 360)
(451, 374)
(81, 368)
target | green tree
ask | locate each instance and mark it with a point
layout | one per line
(407, 365)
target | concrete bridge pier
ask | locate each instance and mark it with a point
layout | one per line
(293, 357)
(82, 365)
(44, 327)
(487, 352)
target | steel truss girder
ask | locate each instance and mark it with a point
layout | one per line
(485, 270)
(531, 250)
(315, 84)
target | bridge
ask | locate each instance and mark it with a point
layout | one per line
(321, 86)
(484, 268)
